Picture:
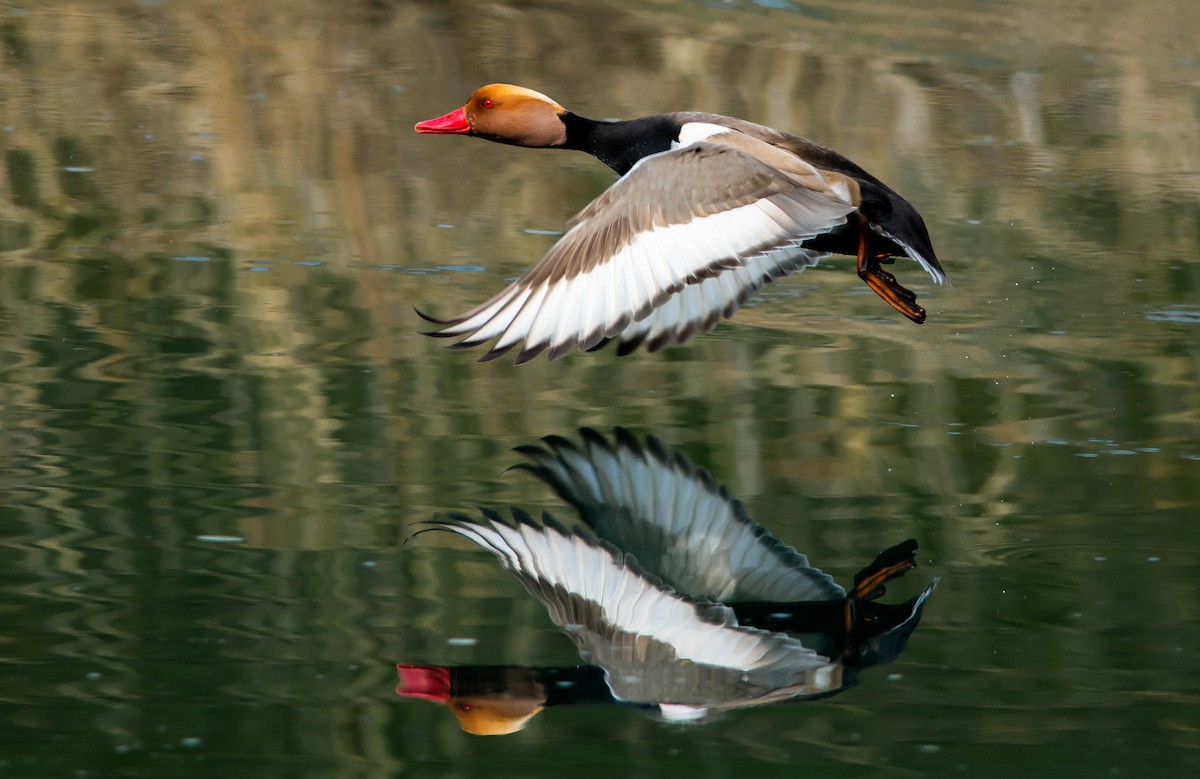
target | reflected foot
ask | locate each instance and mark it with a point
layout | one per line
(887, 565)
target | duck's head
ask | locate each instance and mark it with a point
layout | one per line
(513, 700)
(507, 114)
(490, 716)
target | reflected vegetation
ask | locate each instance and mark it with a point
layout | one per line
(684, 604)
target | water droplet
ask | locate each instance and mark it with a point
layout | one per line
(216, 539)
(1178, 315)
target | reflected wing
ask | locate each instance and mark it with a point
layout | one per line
(640, 631)
(675, 219)
(671, 515)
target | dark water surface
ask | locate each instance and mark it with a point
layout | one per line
(219, 425)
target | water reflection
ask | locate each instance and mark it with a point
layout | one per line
(1041, 437)
(681, 604)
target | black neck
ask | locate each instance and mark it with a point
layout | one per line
(620, 144)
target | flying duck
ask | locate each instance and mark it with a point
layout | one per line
(685, 603)
(707, 209)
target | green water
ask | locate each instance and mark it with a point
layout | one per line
(219, 424)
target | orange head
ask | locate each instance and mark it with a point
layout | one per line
(504, 113)
(500, 711)
(493, 716)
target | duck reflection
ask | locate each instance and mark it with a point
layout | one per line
(679, 603)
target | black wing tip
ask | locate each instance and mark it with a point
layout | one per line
(598, 345)
(494, 353)
(521, 516)
(628, 346)
(624, 437)
(594, 437)
(434, 320)
(451, 521)
(430, 525)
(555, 441)
(530, 351)
(527, 354)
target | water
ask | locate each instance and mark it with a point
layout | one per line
(220, 427)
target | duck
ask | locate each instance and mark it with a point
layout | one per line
(686, 605)
(707, 209)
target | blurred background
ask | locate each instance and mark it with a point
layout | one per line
(220, 425)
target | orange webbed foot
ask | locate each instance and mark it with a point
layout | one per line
(885, 286)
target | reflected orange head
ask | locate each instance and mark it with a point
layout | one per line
(481, 714)
(486, 716)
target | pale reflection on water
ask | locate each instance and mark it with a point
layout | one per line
(215, 222)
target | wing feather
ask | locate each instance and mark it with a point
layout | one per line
(677, 220)
(601, 596)
(671, 515)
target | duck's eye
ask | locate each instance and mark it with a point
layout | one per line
(487, 102)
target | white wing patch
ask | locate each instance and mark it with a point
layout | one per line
(578, 312)
(550, 557)
(694, 132)
(623, 260)
(697, 308)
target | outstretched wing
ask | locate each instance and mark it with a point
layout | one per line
(646, 636)
(697, 308)
(669, 513)
(677, 218)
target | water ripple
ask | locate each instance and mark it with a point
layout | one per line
(1180, 315)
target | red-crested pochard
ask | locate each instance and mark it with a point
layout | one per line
(707, 209)
(684, 601)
